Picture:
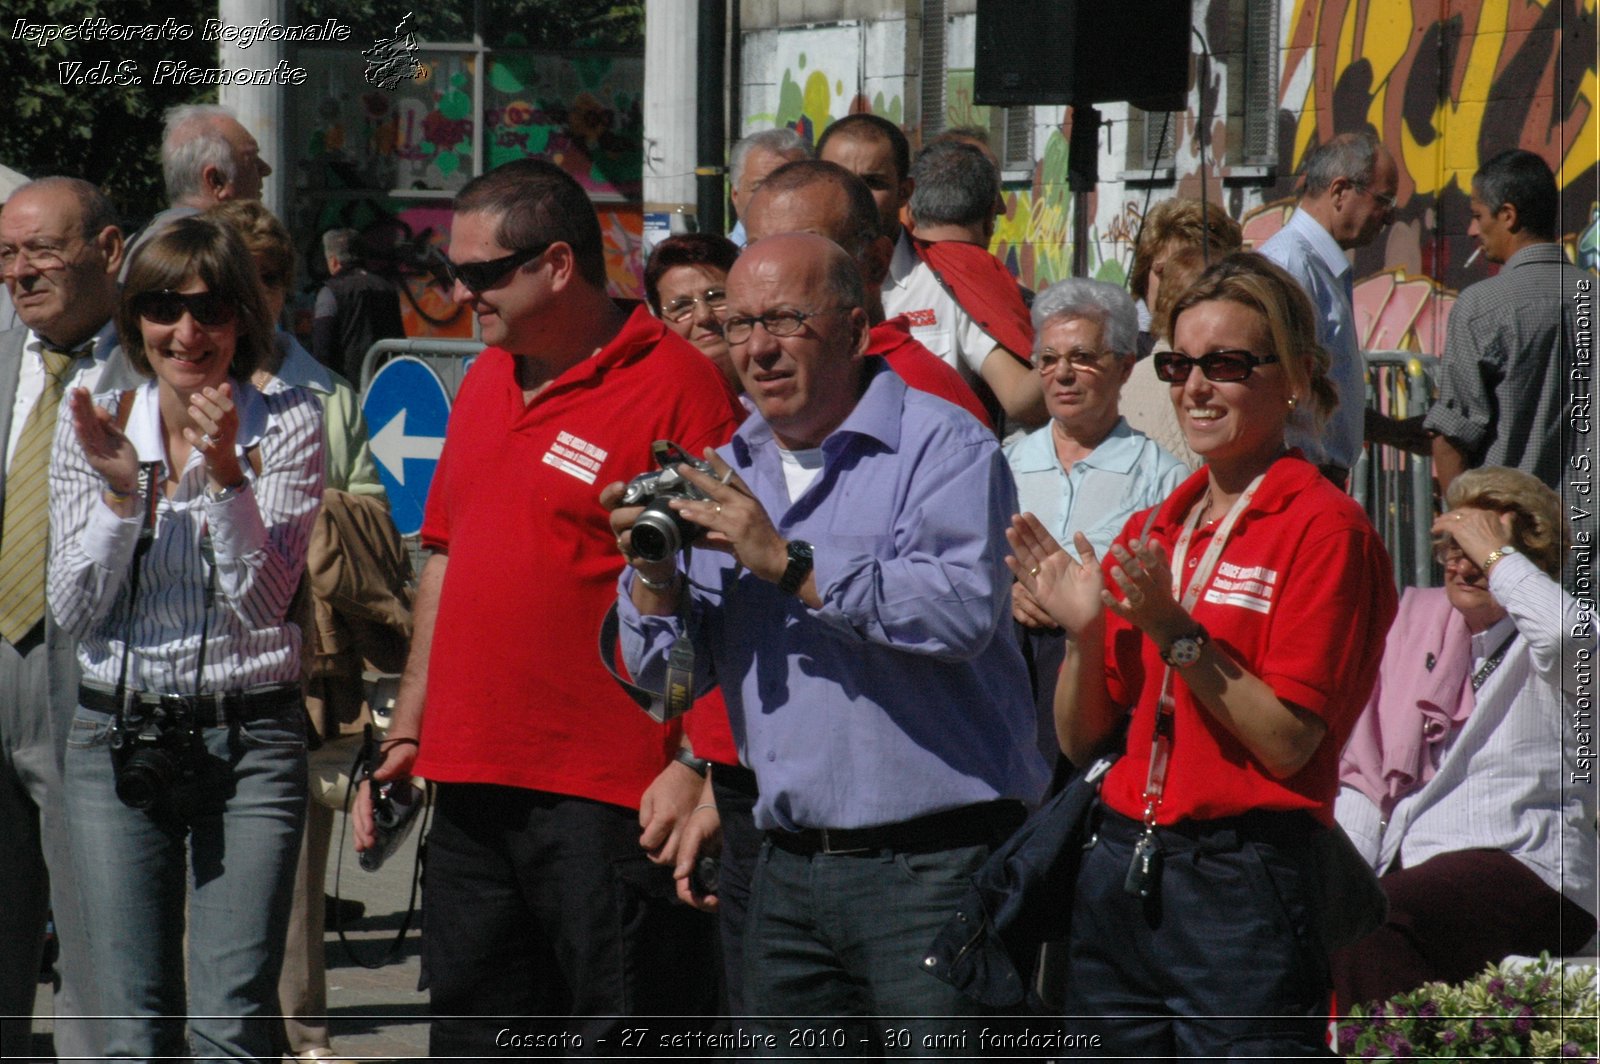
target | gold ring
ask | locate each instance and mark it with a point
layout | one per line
(1034, 571)
(620, 547)
(718, 510)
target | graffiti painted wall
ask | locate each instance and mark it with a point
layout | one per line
(805, 77)
(1446, 83)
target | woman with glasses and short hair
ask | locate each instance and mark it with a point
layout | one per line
(181, 512)
(1456, 784)
(685, 284)
(1235, 631)
(1086, 469)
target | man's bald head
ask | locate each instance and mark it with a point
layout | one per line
(798, 331)
(813, 196)
(60, 250)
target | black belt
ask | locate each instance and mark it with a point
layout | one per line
(985, 824)
(1281, 828)
(207, 710)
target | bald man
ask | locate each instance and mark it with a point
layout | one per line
(850, 596)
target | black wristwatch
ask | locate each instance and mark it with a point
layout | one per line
(799, 567)
(1185, 650)
(698, 765)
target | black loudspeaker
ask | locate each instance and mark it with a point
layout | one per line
(1083, 52)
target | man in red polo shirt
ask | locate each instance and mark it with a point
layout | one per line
(538, 900)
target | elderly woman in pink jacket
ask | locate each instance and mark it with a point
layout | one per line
(1458, 782)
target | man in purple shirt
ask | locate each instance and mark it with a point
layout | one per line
(850, 596)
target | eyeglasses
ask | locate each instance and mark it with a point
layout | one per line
(776, 322)
(166, 307)
(1448, 553)
(1385, 200)
(482, 276)
(43, 258)
(1218, 366)
(1047, 361)
(715, 300)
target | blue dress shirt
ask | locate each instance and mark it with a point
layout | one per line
(1126, 473)
(1312, 257)
(905, 693)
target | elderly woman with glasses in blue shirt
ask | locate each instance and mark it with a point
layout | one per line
(1086, 469)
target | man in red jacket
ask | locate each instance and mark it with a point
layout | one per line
(538, 899)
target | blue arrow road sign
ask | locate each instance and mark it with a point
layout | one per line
(406, 408)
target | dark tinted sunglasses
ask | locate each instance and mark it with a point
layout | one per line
(482, 276)
(1218, 366)
(166, 307)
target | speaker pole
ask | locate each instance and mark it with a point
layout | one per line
(1083, 173)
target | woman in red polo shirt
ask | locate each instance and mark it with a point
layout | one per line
(1236, 629)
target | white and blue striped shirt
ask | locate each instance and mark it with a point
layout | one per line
(259, 539)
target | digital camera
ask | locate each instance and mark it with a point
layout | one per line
(659, 532)
(152, 750)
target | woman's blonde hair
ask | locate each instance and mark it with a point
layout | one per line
(263, 234)
(1251, 280)
(1538, 527)
(195, 247)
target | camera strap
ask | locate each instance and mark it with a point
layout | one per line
(678, 695)
(148, 471)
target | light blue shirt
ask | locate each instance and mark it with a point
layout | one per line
(1311, 256)
(904, 693)
(1126, 473)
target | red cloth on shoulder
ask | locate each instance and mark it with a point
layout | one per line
(984, 288)
(922, 369)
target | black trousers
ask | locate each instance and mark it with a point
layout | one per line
(1222, 960)
(735, 790)
(540, 906)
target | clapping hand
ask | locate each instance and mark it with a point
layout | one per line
(1069, 590)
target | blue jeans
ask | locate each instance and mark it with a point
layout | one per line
(834, 946)
(225, 849)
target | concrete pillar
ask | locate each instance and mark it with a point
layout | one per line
(262, 109)
(671, 32)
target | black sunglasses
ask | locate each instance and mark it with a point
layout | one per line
(482, 276)
(166, 307)
(1218, 366)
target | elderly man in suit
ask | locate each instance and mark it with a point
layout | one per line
(60, 250)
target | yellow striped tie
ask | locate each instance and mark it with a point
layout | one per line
(25, 527)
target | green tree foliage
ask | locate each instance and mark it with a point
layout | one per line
(108, 134)
(545, 25)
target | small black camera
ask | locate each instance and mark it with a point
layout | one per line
(152, 751)
(659, 532)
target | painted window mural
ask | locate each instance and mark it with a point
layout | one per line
(388, 162)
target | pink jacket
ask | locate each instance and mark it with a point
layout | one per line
(1424, 689)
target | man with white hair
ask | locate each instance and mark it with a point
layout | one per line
(752, 159)
(207, 158)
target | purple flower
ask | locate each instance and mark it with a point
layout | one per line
(1378, 1012)
(1479, 1031)
(1496, 985)
(1570, 1049)
(1369, 1053)
(1448, 1037)
(1348, 1036)
(1524, 1021)
(1429, 1010)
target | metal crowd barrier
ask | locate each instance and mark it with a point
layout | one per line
(448, 358)
(1395, 487)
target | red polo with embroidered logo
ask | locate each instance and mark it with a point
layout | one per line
(517, 694)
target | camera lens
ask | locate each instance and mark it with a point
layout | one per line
(655, 533)
(146, 777)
